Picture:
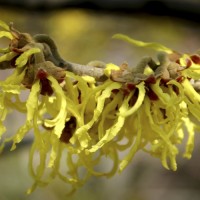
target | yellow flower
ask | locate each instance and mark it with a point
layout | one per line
(79, 121)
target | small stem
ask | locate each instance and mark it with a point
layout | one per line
(80, 70)
(134, 75)
(51, 53)
(50, 49)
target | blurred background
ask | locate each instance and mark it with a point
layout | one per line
(83, 31)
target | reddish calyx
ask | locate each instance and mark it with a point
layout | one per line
(46, 88)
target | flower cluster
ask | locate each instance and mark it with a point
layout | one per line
(80, 121)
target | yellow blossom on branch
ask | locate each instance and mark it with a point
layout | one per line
(81, 114)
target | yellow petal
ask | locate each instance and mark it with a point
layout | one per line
(109, 68)
(14, 89)
(17, 138)
(163, 97)
(6, 34)
(109, 113)
(124, 111)
(4, 25)
(192, 98)
(7, 56)
(134, 148)
(141, 94)
(2, 130)
(109, 135)
(23, 58)
(152, 45)
(190, 141)
(32, 102)
(82, 133)
(58, 122)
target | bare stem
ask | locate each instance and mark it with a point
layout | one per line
(78, 69)
(166, 68)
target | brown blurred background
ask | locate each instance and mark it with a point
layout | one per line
(83, 31)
